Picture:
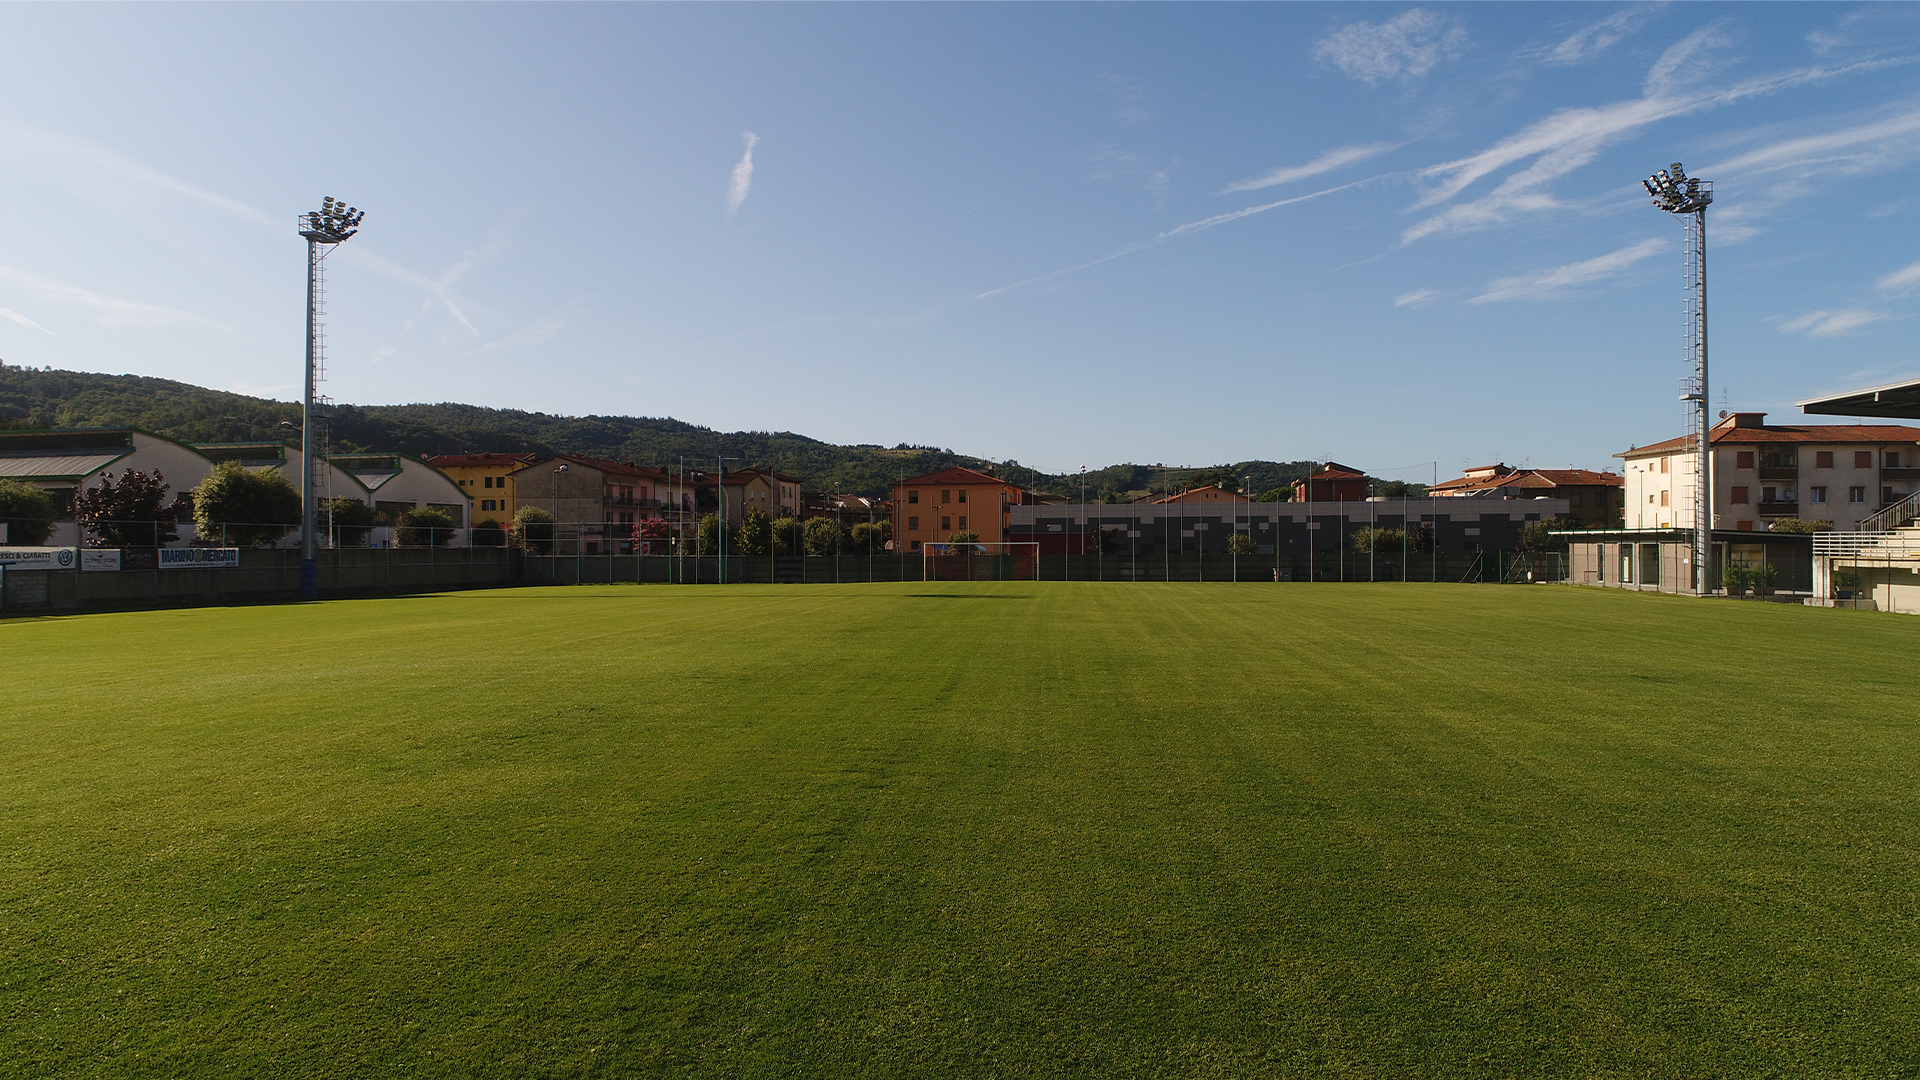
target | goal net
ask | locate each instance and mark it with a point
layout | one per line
(1012, 561)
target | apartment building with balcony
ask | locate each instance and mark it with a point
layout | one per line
(1843, 473)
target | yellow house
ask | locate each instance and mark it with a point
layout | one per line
(487, 479)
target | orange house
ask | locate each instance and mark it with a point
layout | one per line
(929, 509)
(1331, 482)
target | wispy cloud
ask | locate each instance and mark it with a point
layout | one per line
(1594, 38)
(1571, 138)
(537, 331)
(15, 316)
(1337, 158)
(742, 177)
(1416, 298)
(1179, 230)
(112, 311)
(1886, 142)
(118, 183)
(1902, 280)
(1825, 324)
(1549, 284)
(1406, 46)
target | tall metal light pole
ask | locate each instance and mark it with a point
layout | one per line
(1674, 192)
(325, 229)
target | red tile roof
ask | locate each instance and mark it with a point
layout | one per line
(958, 476)
(1837, 434)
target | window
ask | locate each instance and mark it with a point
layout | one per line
(1664, 495)
(963, 521)
(913, 525)
(946, 522)
(1665, 463)
(963, 498)
(1740, 496)
(1743, 459)
(1893, 459)
(1780, 459)
(946, 495)
(486, 504)
(1767, 495)
(1817, 494)
(916, 545)
(1863, 459)
(1856, 494)
(913, 497)
(1823, 459)
(486, 481)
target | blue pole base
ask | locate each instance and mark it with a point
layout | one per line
(309, 579)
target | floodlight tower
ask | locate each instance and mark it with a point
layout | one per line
(325, 229)
(1677, 193)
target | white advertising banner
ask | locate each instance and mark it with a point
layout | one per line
(40, 558)
(100, 559)
(199, 558)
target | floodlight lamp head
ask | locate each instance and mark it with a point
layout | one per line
(333, 223)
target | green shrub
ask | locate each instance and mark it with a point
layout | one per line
(756, 534)
(533, 530)
(489, 534)
(244, 507)
(423, 526)
(1242, 544)
(823, 536)
(347, 521)
(134, 512)
(28, 513)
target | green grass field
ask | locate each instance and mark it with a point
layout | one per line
(987, 830)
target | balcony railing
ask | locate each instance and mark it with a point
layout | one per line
(1777, 472)
(1779, 509)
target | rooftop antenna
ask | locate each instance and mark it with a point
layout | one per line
(325, 229)
(1674, 192)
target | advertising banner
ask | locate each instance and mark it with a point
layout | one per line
(199, 558)
(138, 559)
(40, 558)
(100, 559)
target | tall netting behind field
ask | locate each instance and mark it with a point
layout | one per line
(981, 562)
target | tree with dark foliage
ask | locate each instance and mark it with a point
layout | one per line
(135, 512)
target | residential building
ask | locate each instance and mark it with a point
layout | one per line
(1595, 499)
(64, 462)
(1762, 472)
(771, 493)
(488, 481)
(928, 509)
(1331, 482)
(598, 502)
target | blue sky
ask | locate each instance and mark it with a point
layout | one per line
(1074, 234)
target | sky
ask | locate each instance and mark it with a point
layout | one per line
(1407, 238)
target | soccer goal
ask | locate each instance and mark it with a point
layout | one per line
(1013, 561)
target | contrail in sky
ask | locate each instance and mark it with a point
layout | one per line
(742, 177)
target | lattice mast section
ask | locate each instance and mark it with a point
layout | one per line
(324, 230)
(1688, 197)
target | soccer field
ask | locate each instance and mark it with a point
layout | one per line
(1006, 829)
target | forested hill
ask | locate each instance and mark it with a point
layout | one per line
(47, 398)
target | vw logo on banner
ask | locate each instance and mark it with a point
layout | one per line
(65, 557)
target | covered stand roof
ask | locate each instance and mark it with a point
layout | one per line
(1901, 399)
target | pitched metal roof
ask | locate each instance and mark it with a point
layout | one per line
(58, 466)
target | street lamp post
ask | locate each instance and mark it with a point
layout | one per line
(325, 229)
(553, 507)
